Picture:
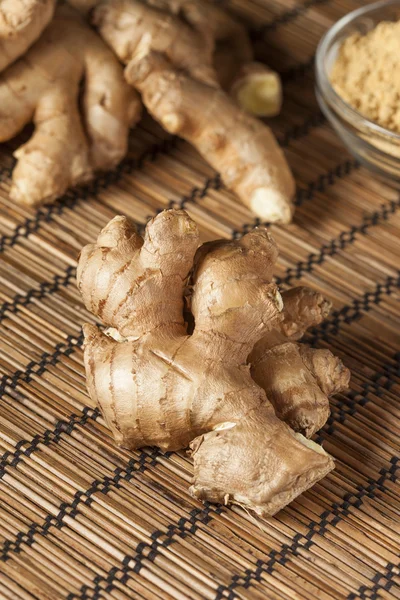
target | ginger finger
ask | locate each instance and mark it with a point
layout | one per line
(259, 463)
(121, 257)
(44, 87)
(242, 149)
(57, 152)
(173, 42)
(157, 385)
(298, 380)
(129, 27)
(21, 23)
(109, 108)
(254, 87)
(304, 308)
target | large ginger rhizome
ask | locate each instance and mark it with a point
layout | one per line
(239, 391)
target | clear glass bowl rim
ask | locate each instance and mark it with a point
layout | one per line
(324, 83)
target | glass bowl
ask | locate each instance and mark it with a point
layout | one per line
(374, 146)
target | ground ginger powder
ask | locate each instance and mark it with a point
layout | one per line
(366, 74)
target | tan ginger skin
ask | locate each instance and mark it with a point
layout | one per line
(197, 36)
(169, 48)
(239, 147)
(158, 386)
(21, 23)
(180, 41)
(44, 87)
(278, 364)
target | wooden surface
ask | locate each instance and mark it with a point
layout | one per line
(82, 519)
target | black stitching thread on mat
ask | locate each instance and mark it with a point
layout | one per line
(326, 180)
(197, 516)
(58, 281)
(373, 591)
(45, 287)
(355, 400)
(296, 132)
(299, 71)
(160, 539)
(62, 281)
(257, 33)
(72, 197)
(70, 509)
(196, 193)
(50, 436)
(345, 239)
(40, 366)
(352, 312)
(303, 129)
(121, 574)
(339, 512)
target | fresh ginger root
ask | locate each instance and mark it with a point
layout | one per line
(169, 60)
(21, 23)
(177, 40)
(157, 385)
(44, 87)
(240, 148)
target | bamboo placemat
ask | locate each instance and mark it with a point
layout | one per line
(82, 519)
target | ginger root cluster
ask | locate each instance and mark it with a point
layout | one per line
(237, 388)
(182, 56)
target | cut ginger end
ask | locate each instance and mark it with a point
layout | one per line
(309, 443)
(260, 95)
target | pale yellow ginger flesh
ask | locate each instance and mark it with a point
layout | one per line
(69, 143)
(159, 386)
(366, 74)
(21, 23)
(258, 90)
(171, 64)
